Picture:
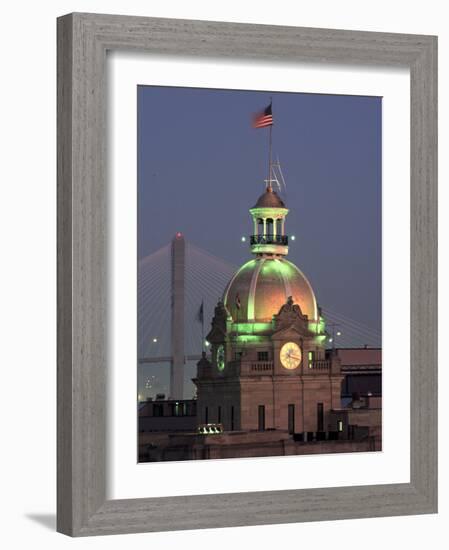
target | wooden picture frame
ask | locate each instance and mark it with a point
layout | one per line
(83, 40)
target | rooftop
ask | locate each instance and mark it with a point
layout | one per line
(269, 199)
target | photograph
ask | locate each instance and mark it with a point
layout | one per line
(259, 291)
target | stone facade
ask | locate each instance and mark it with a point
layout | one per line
(253, 390)
(162, 447)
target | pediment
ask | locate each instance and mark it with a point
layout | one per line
(290, 314)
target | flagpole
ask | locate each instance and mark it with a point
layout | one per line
(270, 138)
(202, 327)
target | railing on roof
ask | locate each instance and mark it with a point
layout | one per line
(321, 364)
(262, 366)
(269, 239)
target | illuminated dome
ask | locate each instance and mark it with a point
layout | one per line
(262, 286)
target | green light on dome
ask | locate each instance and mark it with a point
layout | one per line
(317, 327)
(271, 267)
(281, 267)
(251, 328)
(221, 358)
(250, 338)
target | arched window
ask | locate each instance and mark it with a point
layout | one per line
(260, 227)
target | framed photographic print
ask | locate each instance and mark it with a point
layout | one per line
(247, 274)
(234, 376)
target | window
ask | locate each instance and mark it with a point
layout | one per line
(219, 415)
(158, 410)
(177, 409)
(291, 419)
(232, 417)
(206, 415)
(261, 418)
(310, 357)
(262, 355)
(320, 417)
(340, 425)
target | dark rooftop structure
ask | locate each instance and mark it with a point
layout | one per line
(270, 199)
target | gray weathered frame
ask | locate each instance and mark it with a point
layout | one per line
(83, 40)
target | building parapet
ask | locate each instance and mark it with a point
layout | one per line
(324, 364)
(262, 366)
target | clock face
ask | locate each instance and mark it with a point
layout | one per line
(290, 355)
(220, 357)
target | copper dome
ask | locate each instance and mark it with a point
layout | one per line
(262, 286)
(269, 199)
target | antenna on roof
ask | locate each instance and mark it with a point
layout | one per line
(278, 177)
(270, 162)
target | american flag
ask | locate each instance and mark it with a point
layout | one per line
(263, 119)
(200, 314)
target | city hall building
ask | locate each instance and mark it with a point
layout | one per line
(269, 369)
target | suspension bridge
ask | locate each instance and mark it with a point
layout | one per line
(173, 282)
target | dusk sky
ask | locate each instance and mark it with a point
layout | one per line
(201, 167)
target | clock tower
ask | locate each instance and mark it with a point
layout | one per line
(268, 369)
